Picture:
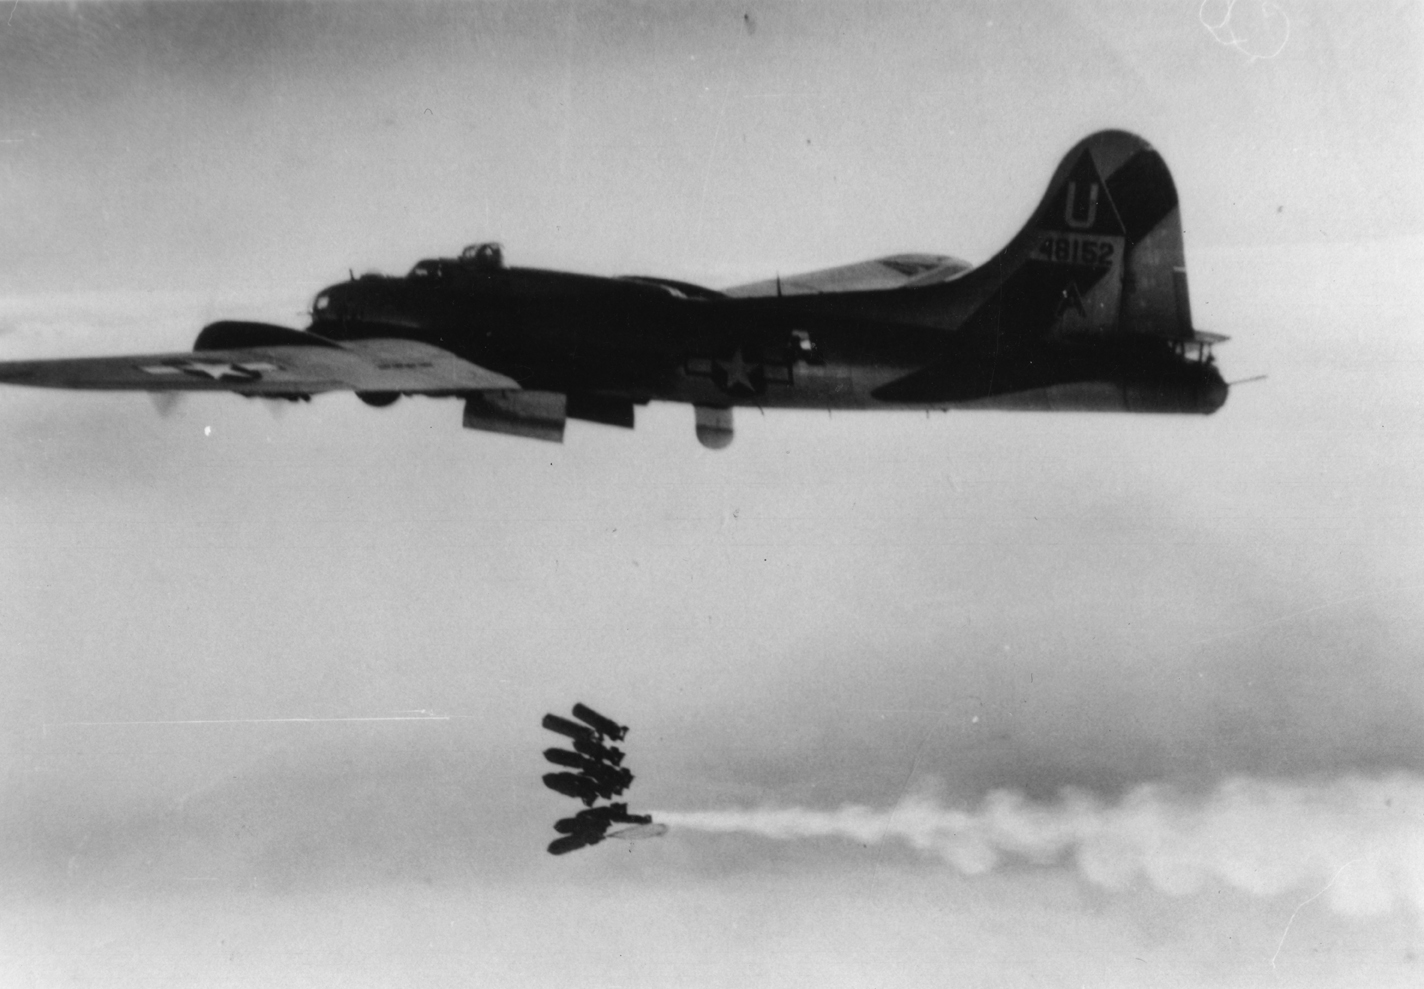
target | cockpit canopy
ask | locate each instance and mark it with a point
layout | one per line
(484, 256)
(335, 302)
(479, 257)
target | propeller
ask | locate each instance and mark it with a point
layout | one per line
(164, 402)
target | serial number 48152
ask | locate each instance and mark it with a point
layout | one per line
(1070, 249)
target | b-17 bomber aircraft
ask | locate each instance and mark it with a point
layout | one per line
(1085, 309)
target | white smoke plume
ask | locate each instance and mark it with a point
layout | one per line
(1358, 840)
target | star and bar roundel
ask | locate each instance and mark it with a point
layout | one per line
(219, 371)
(745, 370)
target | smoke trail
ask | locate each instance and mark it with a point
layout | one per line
(1263, 837)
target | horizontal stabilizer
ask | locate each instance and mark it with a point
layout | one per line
(895, 271)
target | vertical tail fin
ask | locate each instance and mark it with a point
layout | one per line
(1103, 251)
(1101, 257)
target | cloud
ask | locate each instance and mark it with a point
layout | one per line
(1357, 841)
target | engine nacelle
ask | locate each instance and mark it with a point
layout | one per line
(378, 399)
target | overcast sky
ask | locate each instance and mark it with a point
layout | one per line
(852, 609)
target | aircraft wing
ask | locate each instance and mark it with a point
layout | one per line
(280, 369)
(895, 271)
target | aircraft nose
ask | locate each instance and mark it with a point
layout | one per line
(328, 303)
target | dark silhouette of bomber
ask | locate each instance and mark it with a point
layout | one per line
(1084, 309)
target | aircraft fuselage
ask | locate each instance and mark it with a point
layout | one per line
(1085, 309)
(615, 340)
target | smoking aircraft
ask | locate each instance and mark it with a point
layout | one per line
(1085, 309)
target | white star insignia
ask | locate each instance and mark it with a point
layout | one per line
(738, 371)
(214, 370)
